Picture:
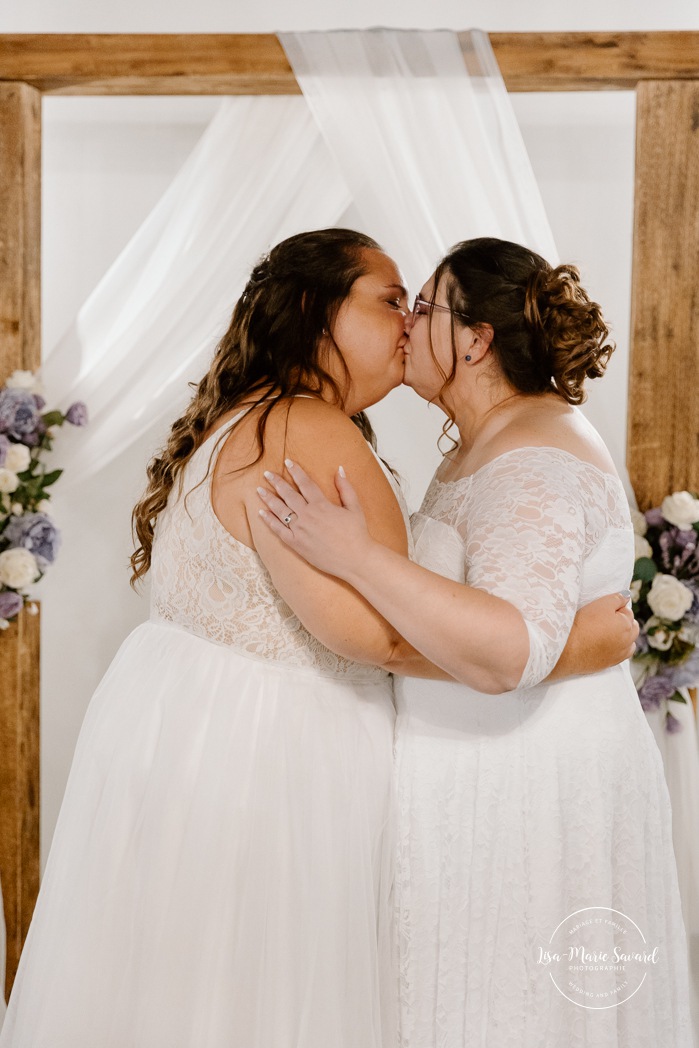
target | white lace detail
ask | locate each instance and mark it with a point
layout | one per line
(527, 522)
(517, 810)
(210, 584)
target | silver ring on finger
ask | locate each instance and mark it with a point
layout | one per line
(287, 519)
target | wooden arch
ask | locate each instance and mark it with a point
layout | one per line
(663, 427)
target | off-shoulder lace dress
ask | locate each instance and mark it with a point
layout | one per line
(519, 812)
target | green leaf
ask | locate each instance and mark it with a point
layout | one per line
(645, 569)
(50, 478)
(53, 418)
(678, 698)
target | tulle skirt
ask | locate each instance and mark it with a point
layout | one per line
(221, 869)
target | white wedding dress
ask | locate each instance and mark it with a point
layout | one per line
(518, 810)
(221, 869)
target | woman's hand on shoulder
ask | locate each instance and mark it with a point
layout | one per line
(321, 437)
(334, 539)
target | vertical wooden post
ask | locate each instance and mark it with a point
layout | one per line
(663, 427)
(20, 260)
(19, 781)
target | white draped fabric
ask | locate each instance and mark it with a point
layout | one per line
(426, 139)
(427, 149)
(259, 173)
(3, 943)
(679, 751)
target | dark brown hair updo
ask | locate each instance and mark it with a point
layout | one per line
(547, 332)
(271, 349)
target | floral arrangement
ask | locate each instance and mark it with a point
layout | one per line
(29, 539)
(665, 595)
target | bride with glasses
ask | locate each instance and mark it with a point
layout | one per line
(536, 891)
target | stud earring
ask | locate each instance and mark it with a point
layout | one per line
(467, 357)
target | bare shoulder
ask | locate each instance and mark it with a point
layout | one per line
(318, 435)
(553, 423)
(293, 427)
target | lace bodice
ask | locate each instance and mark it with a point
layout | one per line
(210, 584)
(538, 527)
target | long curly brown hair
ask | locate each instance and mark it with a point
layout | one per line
(548, 334)
(270, 351)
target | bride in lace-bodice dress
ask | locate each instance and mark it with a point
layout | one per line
(221, 870)
(516, 813)
(537, 903)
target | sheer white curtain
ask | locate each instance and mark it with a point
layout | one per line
(423, 144)
(425, 137)
(3, 955)
(259, 173)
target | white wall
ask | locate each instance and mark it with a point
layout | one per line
(107, 161)
(242, 16)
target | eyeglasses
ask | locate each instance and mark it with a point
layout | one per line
(423, 308)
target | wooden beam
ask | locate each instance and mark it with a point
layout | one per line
(234, 64)
(163, 64)
(20, 236)
(663, 428)
(19, 781)
(594, 61)
(20, 227)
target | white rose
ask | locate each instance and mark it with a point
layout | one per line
(669, 598)
(635, 590)
(642, 547)
(17, 509)
(681, 509)
(18, 568)
(18, 458)
(43, 507)
(640, 524)
(661, 640)
(23, 380)
(9, 480)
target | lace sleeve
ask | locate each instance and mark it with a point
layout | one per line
(524, 533)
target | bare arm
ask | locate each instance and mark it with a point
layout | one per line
(328, 607)
(396, 588)
(602, 635)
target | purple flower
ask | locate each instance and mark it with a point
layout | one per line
(672, 725)
(4, 445)
(665, 541)
(77, 414)
(686, 675)
(37, 533)
(39, 401)
(686, 539)
(642, 645)
(654, 518)
(10, 604)
(654, 690)
(18, 413)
